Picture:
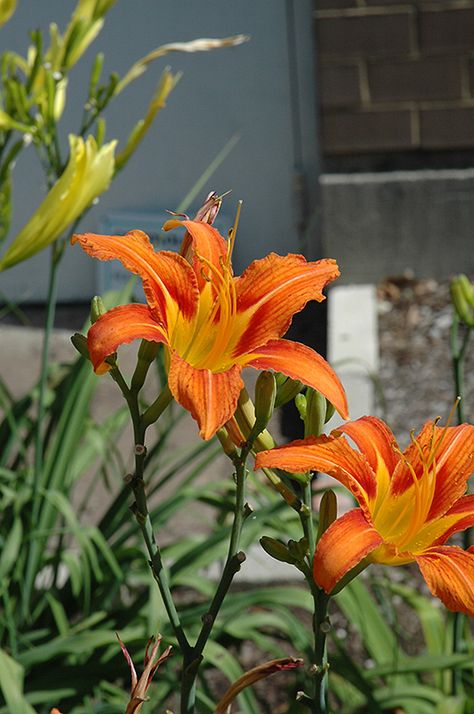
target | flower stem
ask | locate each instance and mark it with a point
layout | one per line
(141, 511)
(232, 566)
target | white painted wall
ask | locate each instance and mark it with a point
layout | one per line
(246, 89)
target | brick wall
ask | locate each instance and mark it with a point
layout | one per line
(395, 77)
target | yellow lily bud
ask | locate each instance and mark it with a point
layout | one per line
(87, 175)
(7, 8)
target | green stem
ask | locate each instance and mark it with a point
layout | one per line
(39, 435)
(232, 566)
(320, 628)
(141, 511)
(317, 700)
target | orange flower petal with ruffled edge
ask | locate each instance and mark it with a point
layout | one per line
(458, 518)
(449, 574)
(168, 280)
(271, 290)
(454, 465)
(331, 455)
(374, 439)
(118, 326)
(202, 240)
(300, 362)
(345, 543)
(210, 397)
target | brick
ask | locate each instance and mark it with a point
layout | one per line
(339, 85)
(365, 34)
(334, 4)
(446, 29)
(447, 128)
(356, 132)
(470, 68)
(415, 80)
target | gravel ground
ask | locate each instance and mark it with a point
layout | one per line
(416, 381)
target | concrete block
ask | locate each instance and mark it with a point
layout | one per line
(379, 225)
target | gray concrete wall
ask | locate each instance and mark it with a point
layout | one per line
(378, 225)
(247, 90)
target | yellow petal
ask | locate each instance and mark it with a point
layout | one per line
(7, 8)
(87, 175)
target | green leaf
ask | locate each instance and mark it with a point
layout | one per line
(11, 684)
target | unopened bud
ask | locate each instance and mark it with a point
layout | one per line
(287, 389)
(300, 404)
(97, 308)
(277, 550)
(147, 353)
(298, 549)
(315, 413)
(462, 296)
(80, 343)
(327, 512)
(330, 409)
(265, 393)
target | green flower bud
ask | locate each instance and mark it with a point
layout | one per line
(97, 308)
(330, 409)
(80, 343)
(316, 407)
(327, 512)
(276, 549)
(287, 390)
(265, 393)
(147, 353)
(298, 549)
(300, 404)
(462, 296)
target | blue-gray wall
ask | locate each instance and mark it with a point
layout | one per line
(248, 90)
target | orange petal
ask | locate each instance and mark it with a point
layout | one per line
(374, 439)
(300, 362)
(345, 543)
(329, 454)
(272, 290)
(118, 326)
(454, 464)
(458, 518)
(168, 281)
(202, 240)
(449, 573)
(211, 397)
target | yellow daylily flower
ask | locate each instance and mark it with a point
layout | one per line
(7, 8)
(86, 176)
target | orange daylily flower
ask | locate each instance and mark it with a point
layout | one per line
(212, 323)
(410, 503)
